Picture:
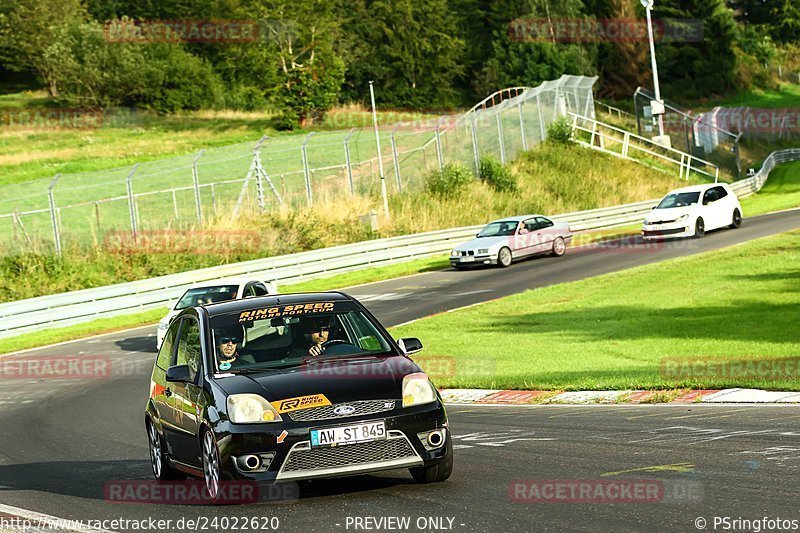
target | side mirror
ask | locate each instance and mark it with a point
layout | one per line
(654, 207)
(410, 345)
(179, 374)
(478, 234)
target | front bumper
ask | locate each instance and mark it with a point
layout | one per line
(294, 459)
(667, 230)
(473, 260)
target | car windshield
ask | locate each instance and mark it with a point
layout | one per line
(680, 199)
(282, 336)
(207, 295)
(499, 229)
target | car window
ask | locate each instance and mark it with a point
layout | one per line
(165, 353)
(207, 295)
(544, 223)
(260, 289)
(721, 192)
(188, 352)
(249, 291)
(531, 225)
(498, 229)
(710, 196)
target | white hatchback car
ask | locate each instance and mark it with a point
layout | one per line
(214, 291)
(692, 211)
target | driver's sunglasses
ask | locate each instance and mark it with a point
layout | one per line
(323, 330)
(226, 340)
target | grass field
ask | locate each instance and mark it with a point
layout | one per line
(626, 330)
(782, 191)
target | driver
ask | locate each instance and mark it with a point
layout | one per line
(317, 333)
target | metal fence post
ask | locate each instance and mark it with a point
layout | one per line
(396, 162)
(309, 195)
(347, 160)
(439, 154)
(500, 138)
(196, 180)
(131, 207)
(522, 128)
(475, 151)
(248, 177)
(53, 220)
(541, 117)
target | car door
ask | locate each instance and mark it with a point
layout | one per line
(526, 241)
(546, 233)
(158, 381)
(186, 398)
(723, 207)
(709, 209)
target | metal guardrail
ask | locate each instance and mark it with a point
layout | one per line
(70, 308)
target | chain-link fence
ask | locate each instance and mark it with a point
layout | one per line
(697, 135)
(291, 171)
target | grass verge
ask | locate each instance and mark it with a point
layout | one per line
(782, 191)
(626, 330)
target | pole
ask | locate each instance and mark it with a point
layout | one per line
(396, 162)
(196, 181)
(648, 9)
(347, 160)
(380, 159)
(53, 220)
(522, 128)
(500, 138)
(475, 152)
(439, 153)
(309, 195)
(131, 208)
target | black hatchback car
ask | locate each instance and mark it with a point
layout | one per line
(291, 387)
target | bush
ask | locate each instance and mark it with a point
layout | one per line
(496, 175)
(560, 131)
(450, 182)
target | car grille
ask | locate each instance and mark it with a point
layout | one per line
(661, 222)
(364, 407)
(470, 252)
(664, 231)
(303, 458)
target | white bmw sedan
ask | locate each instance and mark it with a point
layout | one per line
(509, 239)
(692, 211)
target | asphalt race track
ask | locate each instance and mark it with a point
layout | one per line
(65, 441)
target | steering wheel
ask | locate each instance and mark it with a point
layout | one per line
(333, 342)
(338, 347)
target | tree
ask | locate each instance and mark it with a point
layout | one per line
(38, 35)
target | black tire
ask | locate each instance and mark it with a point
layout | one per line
(504, 257)
(162, 471)
(699, 228)
(438, 472)
(736, 219)
(559, 247)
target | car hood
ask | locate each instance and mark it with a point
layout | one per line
(660, 215)
(483, 242)
(342, 380)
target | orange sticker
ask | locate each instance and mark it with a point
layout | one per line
(301, 402)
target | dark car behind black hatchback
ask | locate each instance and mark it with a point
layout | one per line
(291, 387)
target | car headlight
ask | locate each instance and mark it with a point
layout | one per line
(682, 218)
(483, 250)
(251, 409)
(417, 390)
(455, 253)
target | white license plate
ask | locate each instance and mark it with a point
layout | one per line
(365, 432)
(467, 259)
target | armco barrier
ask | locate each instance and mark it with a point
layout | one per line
(81, 306)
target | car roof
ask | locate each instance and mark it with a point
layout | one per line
(517, 218)
(235, 306)
(697, 188)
